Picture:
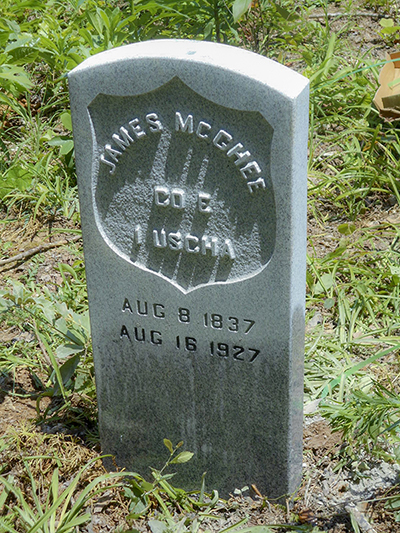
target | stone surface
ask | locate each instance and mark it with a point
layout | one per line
(191, 160)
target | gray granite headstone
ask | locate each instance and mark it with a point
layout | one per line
(191, 160)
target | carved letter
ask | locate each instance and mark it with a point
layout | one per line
(109, 163)
(144, 311)
(249, 169)
(175, 241)
(160, 241)
(126, 138)
(258, 184)
(227, 249)
(153, 340)
(158, 313)
(161, 196)
(220, 142)
(126, 306)
(209, 243)
(112, 153)
(204, 202)
(241, 157)
(187, 125)
(142, 337)
(137, 130)
(124, 333)
(195, 240)
(202, 126)
(137, 235)
(154, 123)
(178, 198)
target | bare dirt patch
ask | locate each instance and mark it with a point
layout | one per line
(329, 496)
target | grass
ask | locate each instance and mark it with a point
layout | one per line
(353, 274)
(54, 515)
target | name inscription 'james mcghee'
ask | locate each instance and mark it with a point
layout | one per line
(221, 139)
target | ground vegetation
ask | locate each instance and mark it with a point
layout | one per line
(51, 475)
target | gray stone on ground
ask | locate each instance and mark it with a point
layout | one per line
(191, 160)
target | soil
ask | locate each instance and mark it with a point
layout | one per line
(332, 497)
(327, 498)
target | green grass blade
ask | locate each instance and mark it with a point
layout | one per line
(359, 366)
(54, 364)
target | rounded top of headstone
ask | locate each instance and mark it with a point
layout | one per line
(187, 150)
(215, 55)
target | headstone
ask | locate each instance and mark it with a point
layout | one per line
(191, 161)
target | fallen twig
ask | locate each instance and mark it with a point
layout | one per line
(37, 250)
(338, 15)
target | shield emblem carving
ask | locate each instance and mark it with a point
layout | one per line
(182, 186)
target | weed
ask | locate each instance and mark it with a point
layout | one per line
(62, 364)
(368, 419)
(271, 27)
(179, 511)
(353, 280)
(62, 511)
(379, 5)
